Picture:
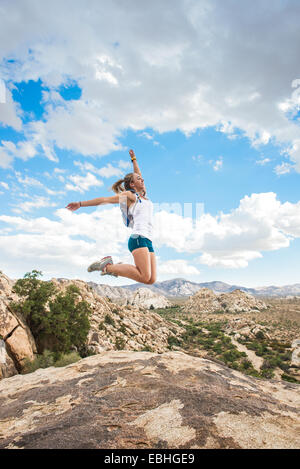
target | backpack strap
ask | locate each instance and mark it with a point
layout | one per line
(128, 217)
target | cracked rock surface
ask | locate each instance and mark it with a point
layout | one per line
(126, 399)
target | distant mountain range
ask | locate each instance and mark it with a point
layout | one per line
(180, 287)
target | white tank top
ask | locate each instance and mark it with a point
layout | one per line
(142, 212)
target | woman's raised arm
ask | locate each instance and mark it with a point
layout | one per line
(136, 168)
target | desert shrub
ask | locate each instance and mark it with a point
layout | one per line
(147, 348)
(260, 335)
(289, 378)
(109, 320)
(246, 364)
(122, 329)
(173, 340)
(120, 343)
(267, 373)
(231, 355)
(285, 356)
(67, 359)
(192, 330)
(151, 307)
(217, 348)
(48, 358)
(57, 321)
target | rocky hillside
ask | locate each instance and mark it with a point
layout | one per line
(113, 327)
(141, 296)
(123, 399)
(146, 299)
(179, 287)
(234, 302)
(127, 327)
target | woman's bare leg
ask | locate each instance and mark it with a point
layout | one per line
(153, 268)
(141, 272)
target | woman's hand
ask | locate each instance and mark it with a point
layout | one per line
(131, 153)
(73, 206)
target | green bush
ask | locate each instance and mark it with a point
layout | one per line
(231, 355)
(48, 358)
(67, 359)
(120, 343)
(57, 321)
(36, 295)
(246, 364)
(147, 348)
(123, 329)
(267, 373)
(172, 340)
(109, 320)
(260, 335)
(289, 378)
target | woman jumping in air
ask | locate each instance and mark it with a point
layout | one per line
(137, 211)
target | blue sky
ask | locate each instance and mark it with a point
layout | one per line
(213, 120)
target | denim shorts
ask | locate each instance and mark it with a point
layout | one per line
(137, 241)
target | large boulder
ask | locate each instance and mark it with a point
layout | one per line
(16, 341)
(121, 399)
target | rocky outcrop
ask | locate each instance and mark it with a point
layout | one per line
(121, 399)
(16, 341)
(296, 353)
(146, 299)
(236, 301)
(115, 294)
(116, 327)
(143, 297)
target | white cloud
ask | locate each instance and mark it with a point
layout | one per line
(83, 183)
(283, 168)
(9, 150)
(63, 247)
(173, 79)
(260, 223)
(218, 164)
(177, 267)
(4, 184)
(28, 181)
(10, 112)
(263, 161)
(106, 171)
(36, 202)
(124, 164)
(67, 245)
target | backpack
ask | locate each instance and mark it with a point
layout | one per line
(128, 217)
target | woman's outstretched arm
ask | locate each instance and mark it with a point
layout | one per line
(115, 199)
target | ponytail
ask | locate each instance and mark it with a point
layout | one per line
(117, 187)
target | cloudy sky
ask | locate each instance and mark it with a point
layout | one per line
(207, 93)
